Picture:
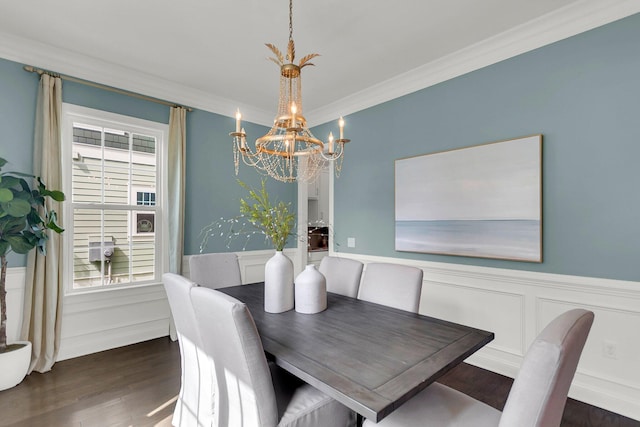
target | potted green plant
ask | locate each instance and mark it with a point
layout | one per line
(24, 221)
(259, 215)
(274, 220)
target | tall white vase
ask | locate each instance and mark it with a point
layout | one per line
(311, 291)
(278, 284)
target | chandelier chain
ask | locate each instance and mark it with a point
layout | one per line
(290, 19)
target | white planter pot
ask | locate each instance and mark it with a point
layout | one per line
(311, 291)
(278, 284)
(15, 365)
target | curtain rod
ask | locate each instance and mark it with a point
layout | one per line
(31, 69)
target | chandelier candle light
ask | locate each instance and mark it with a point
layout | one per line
(289, 152)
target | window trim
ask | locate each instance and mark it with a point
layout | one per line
(74, 113)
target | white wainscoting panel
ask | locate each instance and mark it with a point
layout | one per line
(467, 305)
(111, 318)
(516, 305)
(98, 320)
(15, 299)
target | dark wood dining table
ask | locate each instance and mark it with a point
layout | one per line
(369, 357)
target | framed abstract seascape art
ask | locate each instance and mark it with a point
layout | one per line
(481, 201)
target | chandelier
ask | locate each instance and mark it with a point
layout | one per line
(289, 152)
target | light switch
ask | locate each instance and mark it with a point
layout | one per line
(351, 242)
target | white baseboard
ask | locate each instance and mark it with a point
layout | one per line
(112, 338)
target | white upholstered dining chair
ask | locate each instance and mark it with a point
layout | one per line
(537, 397)
(193, 407)
(249, 391)
(393, 285)
(215, 270)
(342, 274)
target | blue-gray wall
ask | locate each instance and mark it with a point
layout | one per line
(18, 92)
(582, 94)
(212, 190)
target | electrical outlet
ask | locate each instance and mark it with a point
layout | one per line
(351, 242)
(610, 349)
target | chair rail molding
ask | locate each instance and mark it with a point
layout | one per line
(516, 305)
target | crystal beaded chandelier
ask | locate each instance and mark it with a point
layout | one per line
(289, 152)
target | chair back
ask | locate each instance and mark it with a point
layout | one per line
(539, 392)
(393, 285)
(245, 394)
(342, 274)
(194, 400)
(217, 270)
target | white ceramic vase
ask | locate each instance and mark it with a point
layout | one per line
(14, 365)
(278, 284)
(311, 291)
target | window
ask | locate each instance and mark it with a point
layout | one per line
(114, 189)
(143, 222)
(145, 198)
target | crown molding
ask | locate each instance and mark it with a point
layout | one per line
(573, 19)
(576, 18)
(69, 63)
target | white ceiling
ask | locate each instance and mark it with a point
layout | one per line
(211, 54)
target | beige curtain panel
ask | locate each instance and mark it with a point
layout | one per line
(42, 314)
(176, 186)
(175, 192)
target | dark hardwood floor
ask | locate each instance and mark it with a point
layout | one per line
(137, 385)
(128, 386)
